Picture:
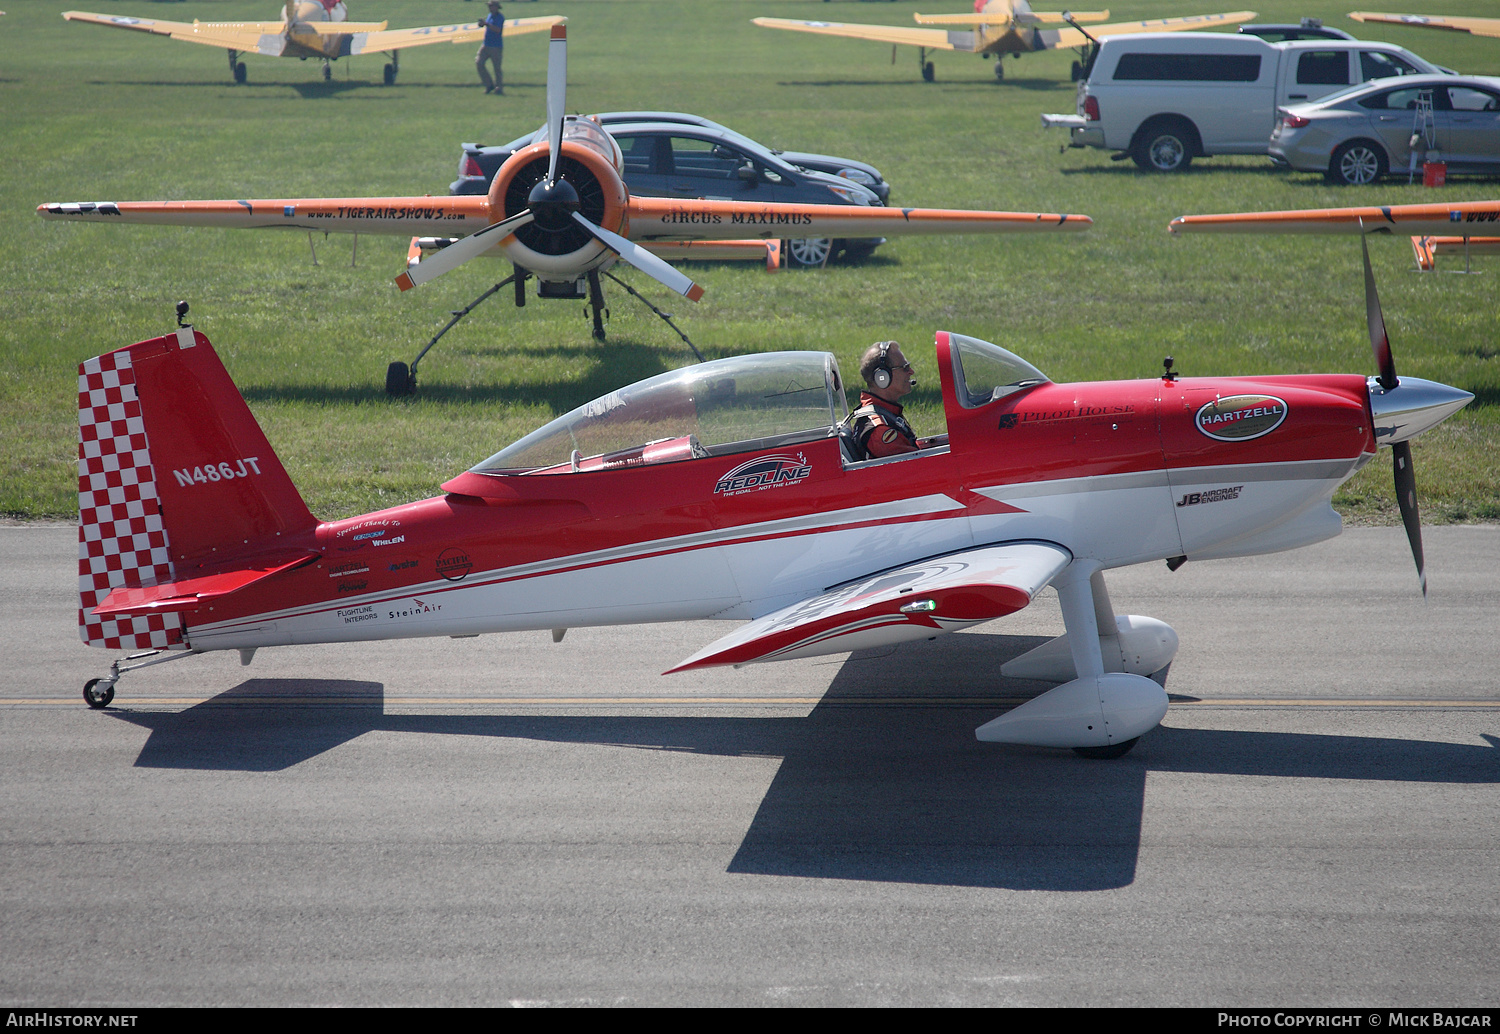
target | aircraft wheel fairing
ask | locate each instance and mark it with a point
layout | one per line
(95, 697)
(1357, 163)
(1109, 753)
(1099, 712)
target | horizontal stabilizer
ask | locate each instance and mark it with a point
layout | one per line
(191, 593)
(917, 601)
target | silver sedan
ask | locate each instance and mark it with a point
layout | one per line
(1358, 135)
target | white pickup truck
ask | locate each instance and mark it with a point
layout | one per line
(1164, 99)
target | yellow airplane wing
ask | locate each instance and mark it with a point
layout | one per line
(341, 28)
(1017, 18)
(468, 32)
(932, 39)
(229, 35)
(1476, 26)
(1074, 38)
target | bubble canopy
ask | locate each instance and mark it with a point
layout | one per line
(716, 408)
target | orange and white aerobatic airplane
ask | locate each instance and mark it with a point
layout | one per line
(559, 211)
(1474, 26)
(310, 28)
(1001, 27)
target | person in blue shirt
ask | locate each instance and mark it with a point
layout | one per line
(492, 50)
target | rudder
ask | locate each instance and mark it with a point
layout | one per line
(175, 477)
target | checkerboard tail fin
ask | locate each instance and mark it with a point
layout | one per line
(175, 479)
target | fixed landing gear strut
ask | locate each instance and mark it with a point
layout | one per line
(98, 693)
(401, 379)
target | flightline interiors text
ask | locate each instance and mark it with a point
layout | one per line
(69, 1019)
(1363, 1020)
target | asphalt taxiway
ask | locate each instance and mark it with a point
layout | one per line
(505, 820)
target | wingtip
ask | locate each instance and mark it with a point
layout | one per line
(404, 281)
(560, 31)
(694, 293)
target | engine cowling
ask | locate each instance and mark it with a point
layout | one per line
(589, 182)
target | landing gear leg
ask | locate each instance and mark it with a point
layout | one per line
(666, 316)
(393, 68)
(596, 304)
(402, 380)
(924, 64)
(98, 693)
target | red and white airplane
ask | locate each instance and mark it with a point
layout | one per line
(732, 490)
(558, 210)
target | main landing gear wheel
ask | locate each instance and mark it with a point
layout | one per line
(1077, 72)
(390, 75)
(398, 380)
(809, 251)
(1109, 753)
(927, 71)
(94, 696)
(239, 73)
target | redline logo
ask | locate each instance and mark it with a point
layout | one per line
(775, 471)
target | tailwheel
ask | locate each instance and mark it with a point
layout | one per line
(97, 693)
(1109, 753)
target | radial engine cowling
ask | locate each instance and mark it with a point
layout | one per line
(589, 182)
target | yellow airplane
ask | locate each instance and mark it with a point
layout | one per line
(1475, 26)
(1001, 27)
(310, 28)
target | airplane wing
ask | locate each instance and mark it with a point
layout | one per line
(404, 216)
(468, 32)
(932, 39)
(1463, 218)
(1476, 26)
(918, 601)
(1073, 38)
(1017, 18)
(660, 218)
(229, 35)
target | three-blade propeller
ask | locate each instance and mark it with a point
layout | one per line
(1406, 479)
(552, 203)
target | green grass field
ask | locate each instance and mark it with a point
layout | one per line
(88, 113)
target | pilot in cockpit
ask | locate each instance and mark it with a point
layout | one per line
(879, 427)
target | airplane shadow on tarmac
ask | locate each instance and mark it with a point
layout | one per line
(874, 784)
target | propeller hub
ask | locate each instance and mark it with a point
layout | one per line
(553, 203)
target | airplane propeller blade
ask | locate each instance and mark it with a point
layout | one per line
(557, 96)
(643, 260)
(461, 251)
(1406, 478)
(1406, 499)
(1380, 343)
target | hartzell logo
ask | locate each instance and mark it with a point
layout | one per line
(1240, 418)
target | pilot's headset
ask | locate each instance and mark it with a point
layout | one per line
(881, 375)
